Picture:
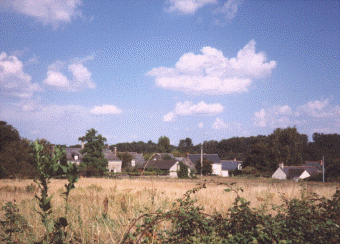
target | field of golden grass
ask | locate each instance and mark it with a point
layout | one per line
(101, 209)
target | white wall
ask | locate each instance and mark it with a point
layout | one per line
(279, 174)
(217, 169)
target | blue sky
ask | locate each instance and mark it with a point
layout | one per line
(138, 70)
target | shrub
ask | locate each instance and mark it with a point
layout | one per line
(183, 171)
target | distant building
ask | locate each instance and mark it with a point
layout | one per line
(114, 164)
(298, 172)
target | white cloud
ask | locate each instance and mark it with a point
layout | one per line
(81, 77)
(318, 113)
(52, 12)
(188, 6)
(188, 109)
(219, 124)
(212, 73)
(277, 116)
(169, 117)
(200, 125)
(318, 109)
(105, 110)
(229, 8)
(13, 80)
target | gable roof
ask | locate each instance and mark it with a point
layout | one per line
(161, 164)
(230, 164)
(139, 159)
(296, 171)
(196, 157)
(70, 152)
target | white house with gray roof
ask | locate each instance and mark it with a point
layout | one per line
(114, 164)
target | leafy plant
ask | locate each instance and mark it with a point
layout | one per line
(14, 222)
(47, 166)
(310, 219)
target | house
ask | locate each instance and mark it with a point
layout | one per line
(230, 165)
(74, 156)
(297, 172)
(169, 166)
(191, 159)
(137, 160)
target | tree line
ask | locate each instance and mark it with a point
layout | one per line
(261, 152)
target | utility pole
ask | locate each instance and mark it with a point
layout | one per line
(201, 160)
(323, 169)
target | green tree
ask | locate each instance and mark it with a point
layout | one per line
(186, 145)
(93, 157)
(126, 159)
(258, 157)
(164, 144)
(287, 145)
(7, 134)
(16, 160)
(206, 169)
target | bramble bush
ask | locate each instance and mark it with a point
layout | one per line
(311, 219)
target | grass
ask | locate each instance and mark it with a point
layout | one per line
(101, 209)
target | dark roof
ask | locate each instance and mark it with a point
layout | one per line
(161, 164)
(296, 171)
(196, 157)
(317, 164)
(110, 156)
(138, 158)
(73, 151)
(70, 152)
(230, 164)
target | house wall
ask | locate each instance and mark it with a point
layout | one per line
(225, 173)
(279, 174)
(173, 170)
(114, 166)
(304, 175)
(217, 169)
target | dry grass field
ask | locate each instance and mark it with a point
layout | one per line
(101, 209)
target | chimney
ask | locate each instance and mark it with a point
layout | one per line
(234, 159)
(187, 154)
(281, 165)
(82, 145)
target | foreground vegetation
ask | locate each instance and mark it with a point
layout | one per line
(103, 211)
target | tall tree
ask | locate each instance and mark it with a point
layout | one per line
(258, 157)
(206, 169)
(126, 159)
(164, 144)
(287, 145)
(7, 134)
(185, 145)
(93, 158)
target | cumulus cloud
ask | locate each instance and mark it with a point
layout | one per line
(81, 76)
(277, 116)
(318, 112)
(318, 109)
(188, 6)
(212, 73)
(219, 124)
(105, 110)
(47, 11)
(229, 8)
(188, 109)
(13, 80)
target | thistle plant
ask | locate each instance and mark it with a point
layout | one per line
(47, 167)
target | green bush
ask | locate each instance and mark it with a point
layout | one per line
(311, 219)
(183, 171)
